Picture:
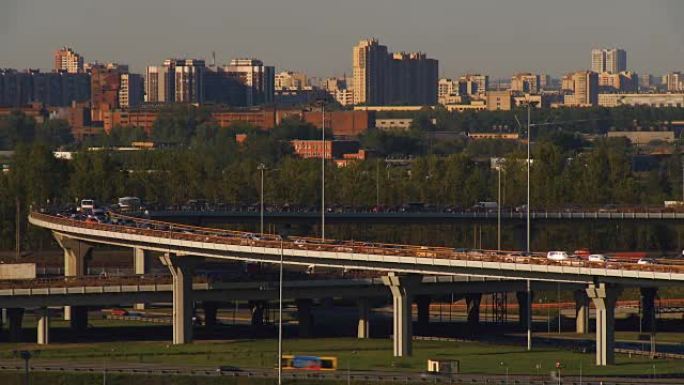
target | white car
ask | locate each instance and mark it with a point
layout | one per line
(557, 255)
(646, 261)
(597, 258)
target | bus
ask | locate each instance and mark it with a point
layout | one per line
(294, 362)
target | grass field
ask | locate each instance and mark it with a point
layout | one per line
(372, 354)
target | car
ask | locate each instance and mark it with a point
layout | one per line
(646, 261)
(118, 312)
(557, 255)
(597, 258)
(228, 368)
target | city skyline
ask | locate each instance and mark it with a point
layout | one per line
(558, 41)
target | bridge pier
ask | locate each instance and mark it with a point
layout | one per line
(76, 256)
(648, 309)
(604, 296)
(473, 307)
(524, 308)
(15, 317)
(581, 312)
(423, 309)
(210, 310)
(142, 260)
(363, 326)
(257, 311)
(43, 329)
(181, 269)
(401, 288)
(304, 317)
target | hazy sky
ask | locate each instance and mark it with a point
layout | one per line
(497, 37)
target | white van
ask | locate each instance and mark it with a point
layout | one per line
(87, 205)
(557, 255)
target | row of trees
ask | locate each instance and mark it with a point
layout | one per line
(209, 163)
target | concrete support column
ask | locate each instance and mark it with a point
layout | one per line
(43, 330)
(79, 318)
(363, 327)
(142, 260)
(76, 257)
(210, 311)
(473, 306)
(257, 310)
(581, 312)
(15, 317)
(423, 307)
(304, 317)
(181, 269)
(604, 297)
(648, 309)
(524, 308)
(401, 288)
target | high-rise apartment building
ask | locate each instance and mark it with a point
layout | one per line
(381, 78)
(674, 82)
(105, 83)
(257, 79)
(413, 79)
(646, 82)
(370, 64)
(53, 89)
(289, 80)
(155, 84)
(525, 82)
(184, 80)
(473, 84)
(618, 82)
(612, 60)
(585, 86)
(131, 90)
(67, 60)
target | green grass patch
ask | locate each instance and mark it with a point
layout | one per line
(372, 354)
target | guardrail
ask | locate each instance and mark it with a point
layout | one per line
(165, 230)
(492, 214)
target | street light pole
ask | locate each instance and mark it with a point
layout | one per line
(280, 317)
(498, 217)
(529, 139)
(529, 316)
(323, 152)
(262, 168)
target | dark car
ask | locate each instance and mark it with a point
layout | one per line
(228, 368)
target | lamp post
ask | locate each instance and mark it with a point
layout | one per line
(529, 140)
(262, 168)
(323, 152)
(498, 216)
(506, 367)
(280, 316)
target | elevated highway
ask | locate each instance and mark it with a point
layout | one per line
(181, 245)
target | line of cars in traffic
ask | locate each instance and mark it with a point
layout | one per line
(89, 212)
(586, 255)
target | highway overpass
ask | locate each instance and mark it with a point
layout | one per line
(182, 245)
